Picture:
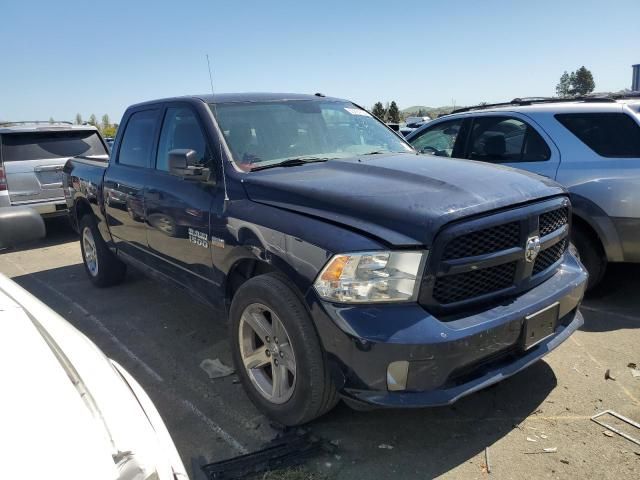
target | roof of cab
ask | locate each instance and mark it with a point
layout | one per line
(243, 98)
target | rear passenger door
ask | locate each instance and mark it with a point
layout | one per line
(177, 207)
(512, 140)
(125, 180)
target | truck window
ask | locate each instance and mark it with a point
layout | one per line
(137, 141)
(180, 129)
(18, 147)
(608, 134)
(506, 140)
(440, 139)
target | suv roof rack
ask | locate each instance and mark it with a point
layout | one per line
(34, 122)
(519, 102)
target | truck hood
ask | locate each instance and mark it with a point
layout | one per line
(402, 199)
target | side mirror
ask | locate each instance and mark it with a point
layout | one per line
(180, 159)
(20, 225)
(183, 163)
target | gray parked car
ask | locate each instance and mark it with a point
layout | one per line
(32, 155)
(591, 145)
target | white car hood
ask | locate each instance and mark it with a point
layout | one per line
(54, 428)
(45, 423)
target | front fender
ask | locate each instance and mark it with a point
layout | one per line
(601, 223)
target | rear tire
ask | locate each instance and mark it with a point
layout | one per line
(102, 266)
(591, 254)
(266, 301)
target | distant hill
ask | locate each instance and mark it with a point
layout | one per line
(432, 112)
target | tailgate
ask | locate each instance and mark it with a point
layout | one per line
(35, 180)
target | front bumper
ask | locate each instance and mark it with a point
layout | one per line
(446, 360)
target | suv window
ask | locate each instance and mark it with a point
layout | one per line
(506, 140)
(137, 141)
(44, 145)
(180, 130)
(439, 139)
(607, 134)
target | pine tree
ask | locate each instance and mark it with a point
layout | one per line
(78, 119)
(393, 114)
(379, 111)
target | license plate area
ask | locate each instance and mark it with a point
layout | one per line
(540, 325)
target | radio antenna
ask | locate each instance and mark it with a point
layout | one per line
(220, 137)
(210, 75)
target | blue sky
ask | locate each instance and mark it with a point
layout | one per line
(63, 57)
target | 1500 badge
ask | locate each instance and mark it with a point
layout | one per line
(198, 238)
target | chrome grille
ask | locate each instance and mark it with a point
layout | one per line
(472, 260)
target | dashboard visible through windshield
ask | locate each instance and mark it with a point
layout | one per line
(263, 134)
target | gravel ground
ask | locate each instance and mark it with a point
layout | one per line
(161, 336)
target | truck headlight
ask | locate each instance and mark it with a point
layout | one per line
(367, 277)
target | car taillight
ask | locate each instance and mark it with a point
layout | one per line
(3, 179)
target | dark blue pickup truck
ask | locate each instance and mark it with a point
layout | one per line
(348, 266)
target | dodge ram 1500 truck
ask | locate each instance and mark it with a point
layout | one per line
(347, 265)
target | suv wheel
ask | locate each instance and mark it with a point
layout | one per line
(102, 266)
(591, 255)
(277, 352)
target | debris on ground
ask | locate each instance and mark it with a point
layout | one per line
(543, 436)
(608, 376)
(566, 462)
(215, 368)
(291, 449)
(607, 433)
(529, 439)
(635, 371)
(486, 459)
(385, 446)
(628, 421)
(544, 450)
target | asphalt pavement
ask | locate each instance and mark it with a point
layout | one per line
(161, 335)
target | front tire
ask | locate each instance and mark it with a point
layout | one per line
(277, 353)
(102, 266)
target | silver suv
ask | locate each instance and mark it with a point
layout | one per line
(32, 156)
(591, 145)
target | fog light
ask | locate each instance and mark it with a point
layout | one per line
(397, 373)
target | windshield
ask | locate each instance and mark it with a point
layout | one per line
(260, 134)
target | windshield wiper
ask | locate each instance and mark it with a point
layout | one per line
(291, 162)
(377, 152)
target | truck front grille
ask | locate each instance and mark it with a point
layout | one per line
(485, 258)
(484, 241)
(548, 257)
(454, 288)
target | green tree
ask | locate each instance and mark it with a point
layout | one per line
(78, 119)
(582, 82)
(379, 111)
(51, 120)
(393, 114)
(105, 121)
(93, 120)
(564, 85)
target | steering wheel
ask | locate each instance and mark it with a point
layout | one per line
(431, 150)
